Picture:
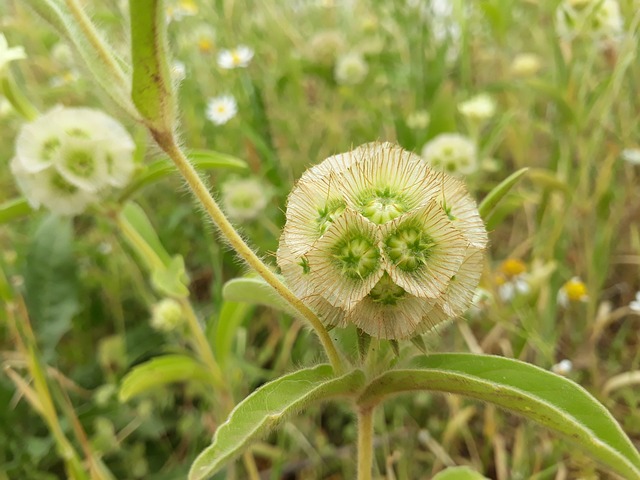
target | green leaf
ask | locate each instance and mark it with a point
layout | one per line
(172, 279)
(200, 159)
(134, 220)
(265, 408)
(232, 314)
(255, 291)
(459, 473)
(151, 85)
(159, 372)
(50, 280)
(498, 193)
(16, 208)
(73, 23)
(552, 401)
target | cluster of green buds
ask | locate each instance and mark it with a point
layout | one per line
(377, 238)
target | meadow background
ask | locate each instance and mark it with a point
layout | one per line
(566, 105)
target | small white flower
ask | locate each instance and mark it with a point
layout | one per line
(221, 109)
(511, 288)
(635, 304)
(351, 69)
(9, 54)
(480, 107)
(631, 155)
(563, 367)
(451, 152)
(244, 198)
(238, 57)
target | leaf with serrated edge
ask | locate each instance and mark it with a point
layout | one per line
(264, 408)
(551, 400)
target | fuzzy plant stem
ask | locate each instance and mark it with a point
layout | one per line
(168, 144)
(365, 442)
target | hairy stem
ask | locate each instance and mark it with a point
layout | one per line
(168, 144)
(365, 442)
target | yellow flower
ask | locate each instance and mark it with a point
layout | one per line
(376, 238)
(573, 291)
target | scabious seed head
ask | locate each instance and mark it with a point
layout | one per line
(66, 159)
(376, 238)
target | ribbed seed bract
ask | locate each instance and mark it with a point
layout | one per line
(376, 238)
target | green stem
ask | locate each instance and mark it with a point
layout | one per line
(18, 99)
(365, 442)
(201, 344)
(198, 337)
(90, 32)
(167, 142)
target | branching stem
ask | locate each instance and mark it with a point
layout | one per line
(168, 144)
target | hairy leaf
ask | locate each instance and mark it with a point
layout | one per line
(264, 409)
(551, 400)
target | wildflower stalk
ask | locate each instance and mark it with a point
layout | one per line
(197, 335)
(99, 47)
(365, 442)
(168, 144)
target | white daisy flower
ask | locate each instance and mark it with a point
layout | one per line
(221, 109)
(238, 57)
(451, 152)
(376, 238)
(9, 54)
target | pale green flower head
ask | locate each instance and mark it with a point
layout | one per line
(376, 238)
(351, 69)
(451, 152)
(68, 157)
(244, 199)
(166, 315)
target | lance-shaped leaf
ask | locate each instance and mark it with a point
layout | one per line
(498, 193)
(552, 401)
(266, 407)
(159, 372)
(151, 89)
